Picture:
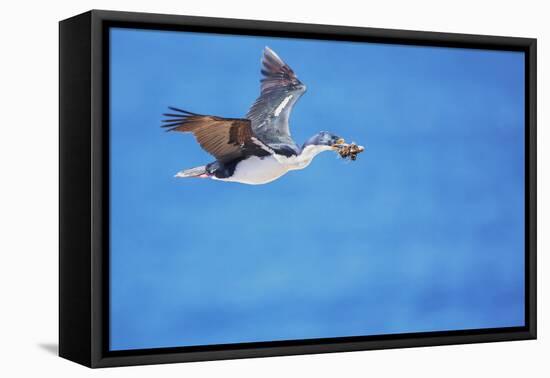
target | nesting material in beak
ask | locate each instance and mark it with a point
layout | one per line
(349, 151)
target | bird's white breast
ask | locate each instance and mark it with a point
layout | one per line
(256, 171)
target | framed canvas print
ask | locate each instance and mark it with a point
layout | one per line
(234, 188)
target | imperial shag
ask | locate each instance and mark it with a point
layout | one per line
(257, 149)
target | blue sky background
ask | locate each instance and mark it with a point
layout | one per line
(424, 232)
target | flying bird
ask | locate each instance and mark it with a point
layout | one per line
(257, 149)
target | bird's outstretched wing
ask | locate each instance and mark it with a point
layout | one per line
(280, 89)
(224, 138)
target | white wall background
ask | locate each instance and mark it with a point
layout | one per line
(29, 174)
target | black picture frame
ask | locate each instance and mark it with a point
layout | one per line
(84, 184)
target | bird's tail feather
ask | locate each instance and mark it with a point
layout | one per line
(194, 172)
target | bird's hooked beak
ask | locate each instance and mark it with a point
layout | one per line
(338, 143)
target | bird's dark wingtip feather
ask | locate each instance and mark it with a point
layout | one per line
(182, 111)
(176, 120)
(174, 115)
(173, 124)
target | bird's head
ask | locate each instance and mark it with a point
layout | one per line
(324, 139)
